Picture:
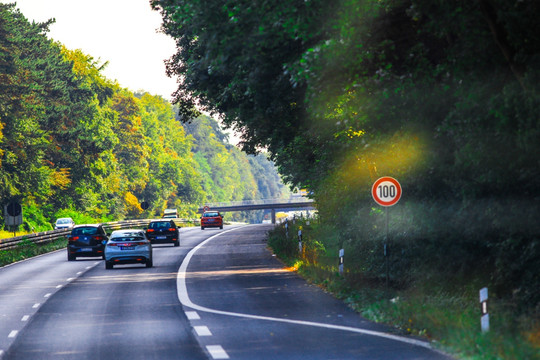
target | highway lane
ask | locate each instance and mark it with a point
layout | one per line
(27, 285)
(130, 312)
(246, 305)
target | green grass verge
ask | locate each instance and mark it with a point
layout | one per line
(27, 249)
(448, 315)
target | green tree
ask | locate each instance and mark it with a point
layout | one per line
(442, 95)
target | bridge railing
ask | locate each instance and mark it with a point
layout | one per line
(260, 202)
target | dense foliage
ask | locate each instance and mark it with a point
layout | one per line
(73, 143)
(443, 96)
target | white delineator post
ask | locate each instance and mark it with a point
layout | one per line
(484, 320)
(341, 260)
(300, 240)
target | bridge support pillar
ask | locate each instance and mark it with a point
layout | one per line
(273, 216)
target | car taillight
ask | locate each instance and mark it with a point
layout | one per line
(99, 238)
(172, 229)
(142, 243)
(111, 244)
(73, 238)
(150, 230)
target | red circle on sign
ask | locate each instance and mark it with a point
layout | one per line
(386, 191)
(206, 208)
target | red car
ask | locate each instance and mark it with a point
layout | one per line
(211, 219)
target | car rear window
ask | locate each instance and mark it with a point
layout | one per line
(128, 238)
(211, 214)
(85, 231)
(160, 225)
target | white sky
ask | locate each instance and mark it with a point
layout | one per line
(122, 32)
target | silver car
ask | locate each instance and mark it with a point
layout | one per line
(130, 246)
(64, 223)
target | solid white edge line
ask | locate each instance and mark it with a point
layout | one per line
(184, 299)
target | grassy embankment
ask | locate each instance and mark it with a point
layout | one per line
(445, 312)
(26, 249)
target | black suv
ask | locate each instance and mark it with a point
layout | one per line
(87, 241)
(163, 232)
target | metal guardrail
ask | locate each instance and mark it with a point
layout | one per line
(51, 235)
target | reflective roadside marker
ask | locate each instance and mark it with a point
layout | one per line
(341, 260)
(484, 320)
(300, 240)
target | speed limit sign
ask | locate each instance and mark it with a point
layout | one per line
(386, 191)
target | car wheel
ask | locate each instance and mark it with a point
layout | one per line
(202, 227)
(149, 263)
(221, 227)
(71, 257)
(177, 243)
(108, 265)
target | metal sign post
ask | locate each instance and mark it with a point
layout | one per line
(386, 191)
(13, 216)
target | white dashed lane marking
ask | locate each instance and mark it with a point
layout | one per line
(192, 315)
(217, 352)
(202, 331)
(13, 334)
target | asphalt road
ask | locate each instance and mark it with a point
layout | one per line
(220, 295)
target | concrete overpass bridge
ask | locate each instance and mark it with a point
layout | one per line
(299, 203)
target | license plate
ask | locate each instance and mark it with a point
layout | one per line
(127, 247)
(161, 237)
(210, 220)
(86, 249)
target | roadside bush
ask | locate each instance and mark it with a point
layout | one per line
(78, 217)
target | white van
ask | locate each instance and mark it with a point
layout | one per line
(170, 214)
